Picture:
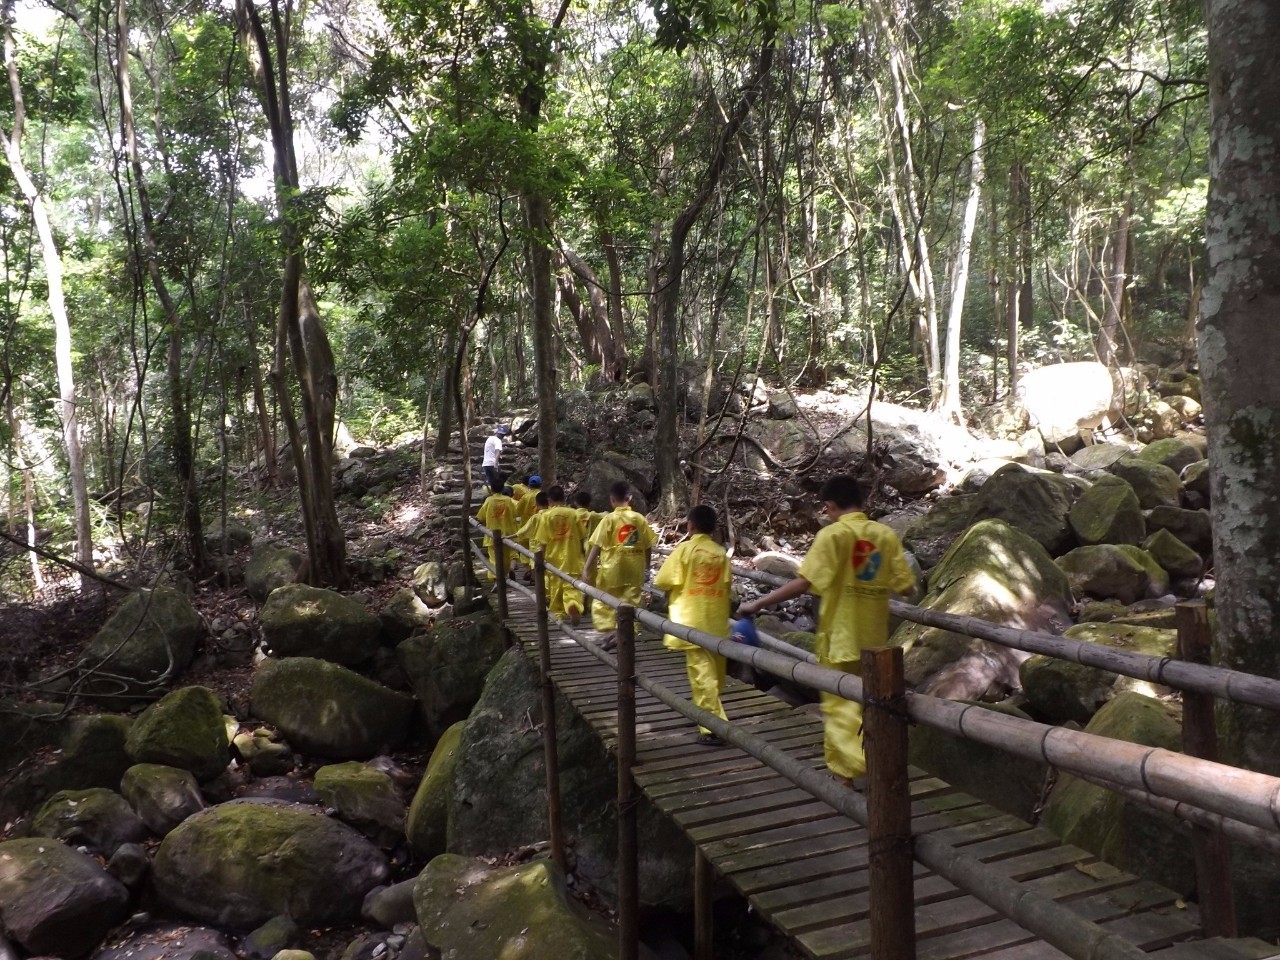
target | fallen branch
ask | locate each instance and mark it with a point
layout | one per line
(69, 564)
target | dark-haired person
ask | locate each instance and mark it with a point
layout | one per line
(854, 565)
(696, 577)
(490, 463)
(622, 544)
(498, 513)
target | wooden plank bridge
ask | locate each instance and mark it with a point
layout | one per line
(804, 867)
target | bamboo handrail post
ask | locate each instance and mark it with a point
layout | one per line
(549, 747)
(628, 850)
(703, 927)
(1212, 852)
(500, 561)
(890, 863)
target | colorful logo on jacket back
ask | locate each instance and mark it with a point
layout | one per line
(561, 527)
(628, 535)
(866, 560)
(706, 569)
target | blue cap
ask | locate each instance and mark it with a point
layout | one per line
(535, 481)
(744, 631)
(502, 430)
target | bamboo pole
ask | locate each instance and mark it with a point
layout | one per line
(549, 746)
(628, 848)
(1211, 850)
(890, 866)
(703, 928)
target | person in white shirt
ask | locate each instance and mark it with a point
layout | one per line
(493, 457)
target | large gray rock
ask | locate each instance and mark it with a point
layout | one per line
(468, 910)
(91, 753)
(271, 567)
(447, 666)
(363, 797)
(785, 440)
(1154, 483)
(1064, 399)
(1097, 456)
(930, 537)
(1108, 512)
(1192, 527)
(499, 798)
(162, 796)
(183, 729)
(427, 826)
(55, 900)
(302, 621)
(402, 615)
(1196, 479)
(1038, 504)
(1001, 575)
(98, 818)
(1108, 571)
(1174, 453)
(328, 710)
(241, 863)
(150, 639)
(600, 476)
(1177, 559)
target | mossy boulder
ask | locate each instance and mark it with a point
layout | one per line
(500, 798)
(162, 796)
(302, 621)
(997, 573)
(1177, 559)
(363, 797)
(150, 639)
(327, 710)
(468, 910)
(1108, 571)
(427, 827)
(447, 666)
(1061, 691)
(98, 818)
(56, 901)
(1009, 783)
(1038, 504)
(91, 753)
(403, 614)
(1108, 512)
(271, 567)
(1196, 478)
(1133, 837)
(1154, 483)
(931, 535)
(241, 863)
(1097, 456)
(1174, 453)
(265, 752)
(184, 729)
(1192, 527)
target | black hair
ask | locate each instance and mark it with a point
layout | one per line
(542, 500)
(620, 491)
(842, 490)
(702, 518)
(556, 494)
(582, 498)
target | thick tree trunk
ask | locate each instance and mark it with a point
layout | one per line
(1239, 350)
(537, 221)
(1113, 315)
(265, 432)
(950, 402)
(618, 368)
(57, 304)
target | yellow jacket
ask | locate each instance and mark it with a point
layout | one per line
(556, 529)
(527, 505)
(498, 513)
(697, 579)
(588, 520)
(853, 565)
(622, 534)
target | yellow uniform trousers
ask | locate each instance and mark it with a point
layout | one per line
(706, 680)
(624, 578)
(842, 726)
(562, 598)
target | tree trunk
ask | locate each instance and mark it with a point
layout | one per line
(266, 433)
(1239, 350)
(950, 403)
(446, 402)
(183, 449)
(544, 358)
(1112, 317)
(618, 368)
(57, 303)
(666, 440)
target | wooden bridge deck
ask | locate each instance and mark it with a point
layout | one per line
(803, 866)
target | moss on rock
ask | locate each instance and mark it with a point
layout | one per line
(183, 729)
(427, 827)
(1108, 512)
(302, 621)
(447, 666)
(150, 638)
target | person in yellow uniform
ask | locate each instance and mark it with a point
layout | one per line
(557, 532)
(526, 507)
(696, 577)
(498, 513)
(853, 565)
(622, 543)
(588, 519)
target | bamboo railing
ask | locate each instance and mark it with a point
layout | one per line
(1241, 804)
